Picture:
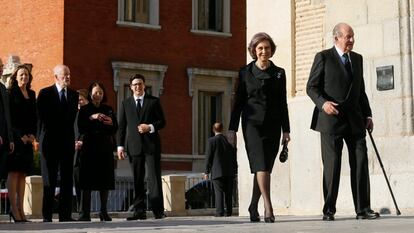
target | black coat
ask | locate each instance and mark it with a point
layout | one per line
(24, 122)
(5, 126)
(96, 156)
(220, 157)
(56, 124)
(329, 81)
(128, 136)
(257, 101)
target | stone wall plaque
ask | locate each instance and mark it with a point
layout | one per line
(385, 78)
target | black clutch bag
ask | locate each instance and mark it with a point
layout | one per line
(284, 153)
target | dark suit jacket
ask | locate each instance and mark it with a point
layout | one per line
(328, 81)
(257, 100)
(128, 136)
(220, 157)
(56, 124)
(7, 132)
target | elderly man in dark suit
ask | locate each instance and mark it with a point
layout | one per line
(140, 119)
(342, 113)
(57, 108)
(6, 135)
(221, 162)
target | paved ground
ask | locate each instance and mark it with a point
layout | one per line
(203, 224)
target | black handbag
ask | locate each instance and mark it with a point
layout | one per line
(284, 153)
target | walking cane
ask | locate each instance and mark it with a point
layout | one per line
(383, 171)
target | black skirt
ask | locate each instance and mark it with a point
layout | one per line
(21, 160)
(262, 145)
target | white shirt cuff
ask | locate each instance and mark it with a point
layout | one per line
(152, 129)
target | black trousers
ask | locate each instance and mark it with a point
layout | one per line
(86, 202)
(52, 164)
(151, 166)
(223, 190)
(332, 145)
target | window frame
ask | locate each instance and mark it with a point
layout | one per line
(153, 16)
(209, 80)
(226, 20)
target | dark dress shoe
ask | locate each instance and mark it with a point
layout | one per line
(67, 220)
(328, 217)
(160, 216)
(47, 220)
(219, 215)
(137, 216)
(254, 215)
(370, 214)
(84, 219)
(104, 217)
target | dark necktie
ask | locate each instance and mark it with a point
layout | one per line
(63, 99)
(138, 107)
(347, 65)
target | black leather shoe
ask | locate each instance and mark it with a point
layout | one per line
(254, 215)
(137, 216)
(328, 217)
(67, 220)
(104, 217)
(47, 220)
(370, 214)
(84, 219)
(160, 216)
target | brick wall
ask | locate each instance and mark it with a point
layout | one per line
(83, 35)
(33, 30)
(93, 40)
(309, 39)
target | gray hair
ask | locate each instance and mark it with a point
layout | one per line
(59, 68)
(336, 32)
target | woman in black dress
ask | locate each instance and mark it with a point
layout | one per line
(23, 118)
(260, 99)
(97, 125)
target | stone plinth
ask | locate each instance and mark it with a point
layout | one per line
(173, 187)
(33, 196)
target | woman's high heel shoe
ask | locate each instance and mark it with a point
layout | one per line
(11, 216)
(103, 216)
(270, 219)
(254, 215)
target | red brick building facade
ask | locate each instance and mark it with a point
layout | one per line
(189, 51)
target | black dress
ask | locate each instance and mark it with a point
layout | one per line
(96, 156)
(24, 120)
(260, 100)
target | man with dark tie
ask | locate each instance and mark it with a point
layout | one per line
(342, 113)
(6, 136)
(57, 108)
(140, 119)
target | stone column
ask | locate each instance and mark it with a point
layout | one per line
(173, 187)
(33, 196)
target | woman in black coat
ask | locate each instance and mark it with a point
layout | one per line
(23, 119)
(97, 125)
(260, 100)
